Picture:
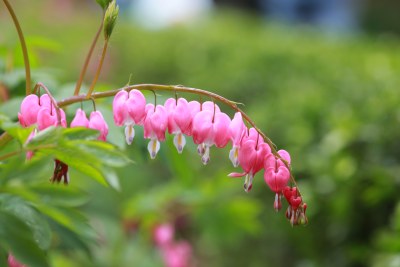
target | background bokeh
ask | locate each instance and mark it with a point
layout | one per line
(329, 97)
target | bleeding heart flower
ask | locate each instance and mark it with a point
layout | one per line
(129, 110)
(179, 120)
(251, 157)
(97, 122)
(80, 119)
(210, 127)
(237, 129)
(30, 107)
(48, 117)
(155, 125)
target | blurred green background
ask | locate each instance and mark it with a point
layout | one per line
(332, 101)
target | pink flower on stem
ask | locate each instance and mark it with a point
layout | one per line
(296, 211)
(48, 117)
(237, 129)
(179, 120)
(129, 109)
(251, 157)
(163, 234)
(29, 109)
(277, 175)
(80, 119)
(155, 125)
(97, 122)
(177, 254)
(210, 127)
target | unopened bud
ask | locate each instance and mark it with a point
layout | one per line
(110, 18)
(103, 3)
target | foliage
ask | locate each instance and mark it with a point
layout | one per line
(333, 103)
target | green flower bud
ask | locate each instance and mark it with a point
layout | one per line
(110, 18)
(103, 3)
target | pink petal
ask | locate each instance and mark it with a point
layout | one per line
(237, 129)
(211, 106)
(164, 234)
(170, 106)
(159, 122)
(202, 127)
(29, 110)
(285, 155)
(261, 150)
(97, 122)
(277, 180)
(80, 119)
(236, 174)
(119, 108)
(136, 105)
(45, 119)
(221, 129)
(247, 155)
(45, 101)
(182, 115)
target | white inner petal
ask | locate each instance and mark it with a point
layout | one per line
(153, 147)
(179, 142)
(129, 133)
(206, 156)
(234, 156)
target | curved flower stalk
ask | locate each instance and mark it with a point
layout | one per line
(251, 149)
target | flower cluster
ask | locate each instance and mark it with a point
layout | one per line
(208, 126)
(174, 253)
(204, 122)
(43, 112)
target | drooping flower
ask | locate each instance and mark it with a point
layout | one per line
(129, 110)
(296, 211)
(80, 119)
(237, 130)
(155, 126)
(30, 107)
(49, 117)
(251, 157)
(60, 172)
(97, 122)
(210, 127)
(277, 175)
(179, 120)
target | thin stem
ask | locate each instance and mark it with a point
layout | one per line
(96, 77)
(88, 57)
(9, 155)
(179, 88)
(23, 46)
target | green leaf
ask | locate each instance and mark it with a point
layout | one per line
(37, 224)
(80, 133)
(17, 238)
(103, 3)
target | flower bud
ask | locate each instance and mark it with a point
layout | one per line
(110, 18)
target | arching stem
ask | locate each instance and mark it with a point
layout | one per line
(88, 57)
(179, 88)
(23, 46)
(96, 76)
